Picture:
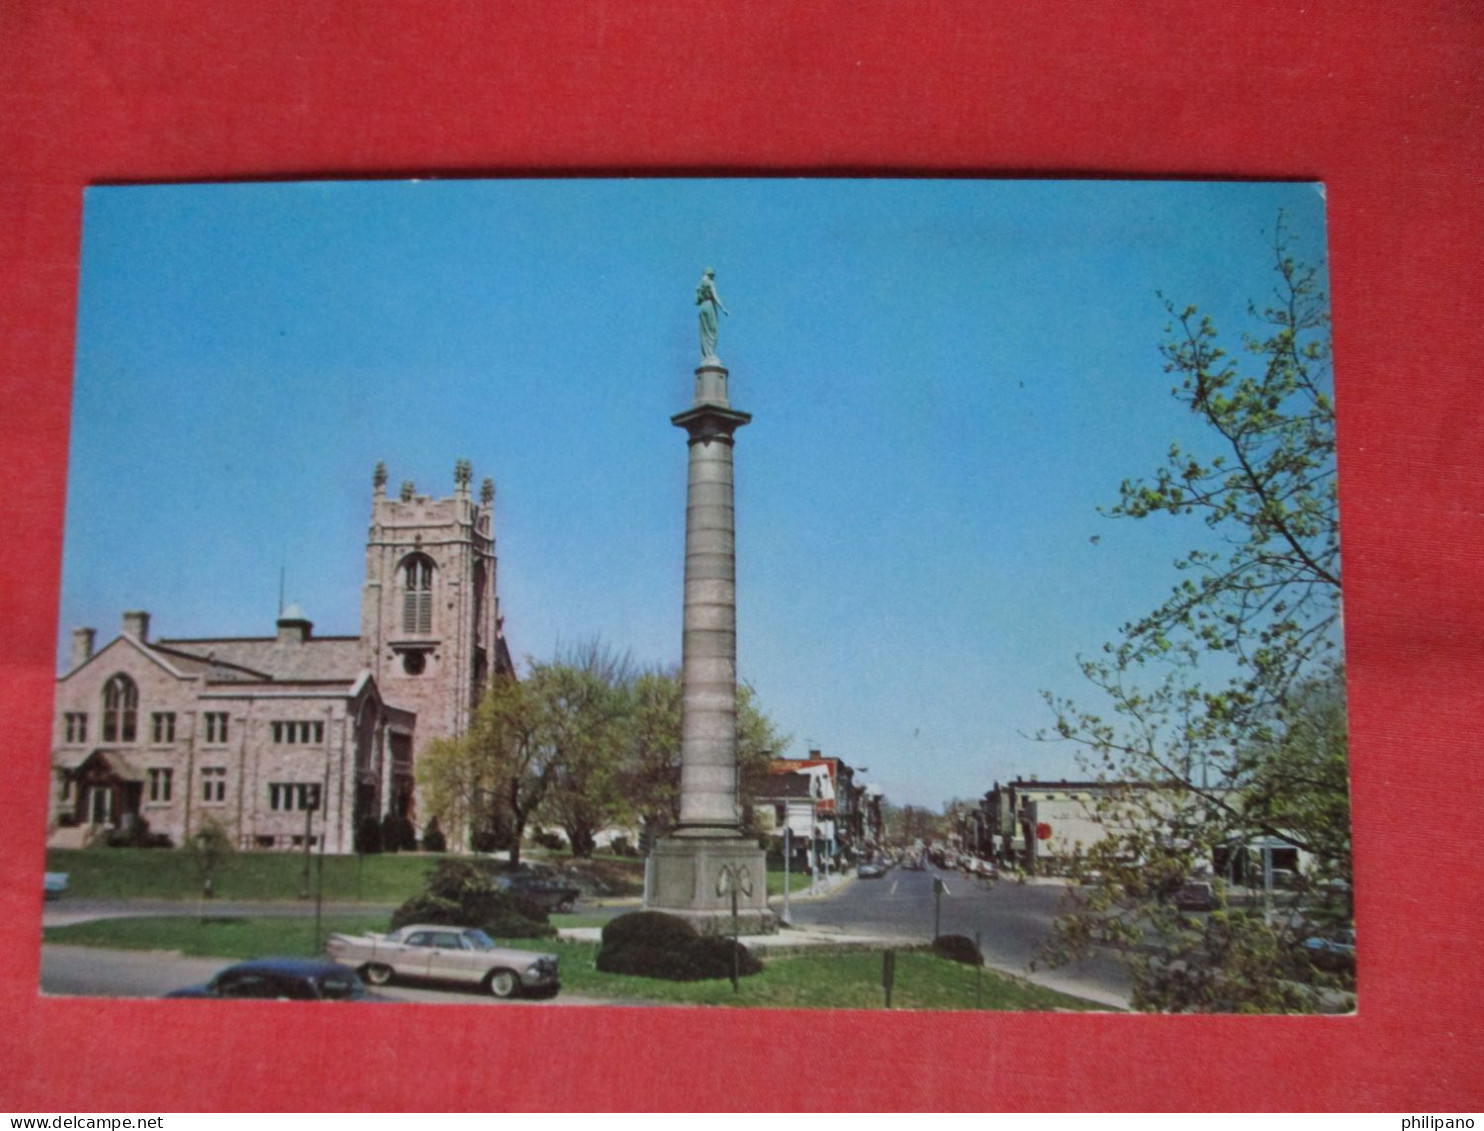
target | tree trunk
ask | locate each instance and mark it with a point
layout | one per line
(581, 839)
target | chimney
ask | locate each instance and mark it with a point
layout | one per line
(82, 645)
(136, 623)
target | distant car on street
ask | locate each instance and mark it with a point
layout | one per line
(53, 884)
(1197, 895)
(548, 894)
(442, 953)
(1332, 952)
(869, 872)
(281, 979)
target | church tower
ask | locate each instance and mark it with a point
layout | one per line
(430, 619)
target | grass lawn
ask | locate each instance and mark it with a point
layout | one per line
(836, 980)
(163, 873)
(225, 937)
(833, 980)
(797, 881)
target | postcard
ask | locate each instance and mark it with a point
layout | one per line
(830, 593)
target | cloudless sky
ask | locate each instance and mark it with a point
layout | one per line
(947, 379)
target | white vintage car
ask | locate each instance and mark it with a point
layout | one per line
(452, 954)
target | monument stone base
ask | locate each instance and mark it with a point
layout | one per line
(683, 881)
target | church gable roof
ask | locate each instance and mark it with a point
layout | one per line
(131, 643)
(318, 658)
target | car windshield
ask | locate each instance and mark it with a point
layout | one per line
(478, 940)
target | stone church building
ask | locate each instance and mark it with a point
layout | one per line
(278, 738)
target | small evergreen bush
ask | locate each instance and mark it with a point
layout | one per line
(958, 948)
(368, 836)
(651, 944)
(433, 838)
(462, 893)
(134, 833)
(391, 839)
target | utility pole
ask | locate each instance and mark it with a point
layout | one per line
(788, 852)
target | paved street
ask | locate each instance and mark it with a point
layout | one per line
(1011, 919)
(87, 971)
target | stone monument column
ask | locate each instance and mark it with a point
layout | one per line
(693, 871)
(708, 744)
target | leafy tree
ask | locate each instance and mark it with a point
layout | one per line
(906, 824)
(497, 772)
(1227, 701)
(585, 703)
(582, 742)
(652, 780)
(758, 742)
(652, 769)
(209, 847)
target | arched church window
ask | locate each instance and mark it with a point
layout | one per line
(120, 709)
(417, 594)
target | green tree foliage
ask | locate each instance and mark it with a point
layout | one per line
(652, 769)
(1226, 719)
(209, 848)
(582, 742)
(652, 778)
(586, 701)
(499, 770)
(907, 824)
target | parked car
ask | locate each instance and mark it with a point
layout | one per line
(53, 884)
(282, 979)
(548, 894)
(1197, 895)
(1332, 952)
(452, 954)
(870, 872)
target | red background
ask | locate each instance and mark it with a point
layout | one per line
(1381, 101)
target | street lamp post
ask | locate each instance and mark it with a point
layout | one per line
(788, 852)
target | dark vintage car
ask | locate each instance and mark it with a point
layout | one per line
(1196, 895)
(546, 892)
(282, 979)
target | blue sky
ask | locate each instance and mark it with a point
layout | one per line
(947, 379)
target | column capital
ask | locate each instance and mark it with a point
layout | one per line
(707, 422)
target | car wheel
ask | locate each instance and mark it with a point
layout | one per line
(502, 983)
(377, 974)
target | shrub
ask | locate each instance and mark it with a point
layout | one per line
(398, 834)
(462, 893)
(958, 948)
(406, 834)
(622, 846)
(391, 833)
(651, 944)
(134, 833)
(433, 838)
(552, 842)
(368, 836)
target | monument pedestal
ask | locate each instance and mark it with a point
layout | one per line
(690, 877)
